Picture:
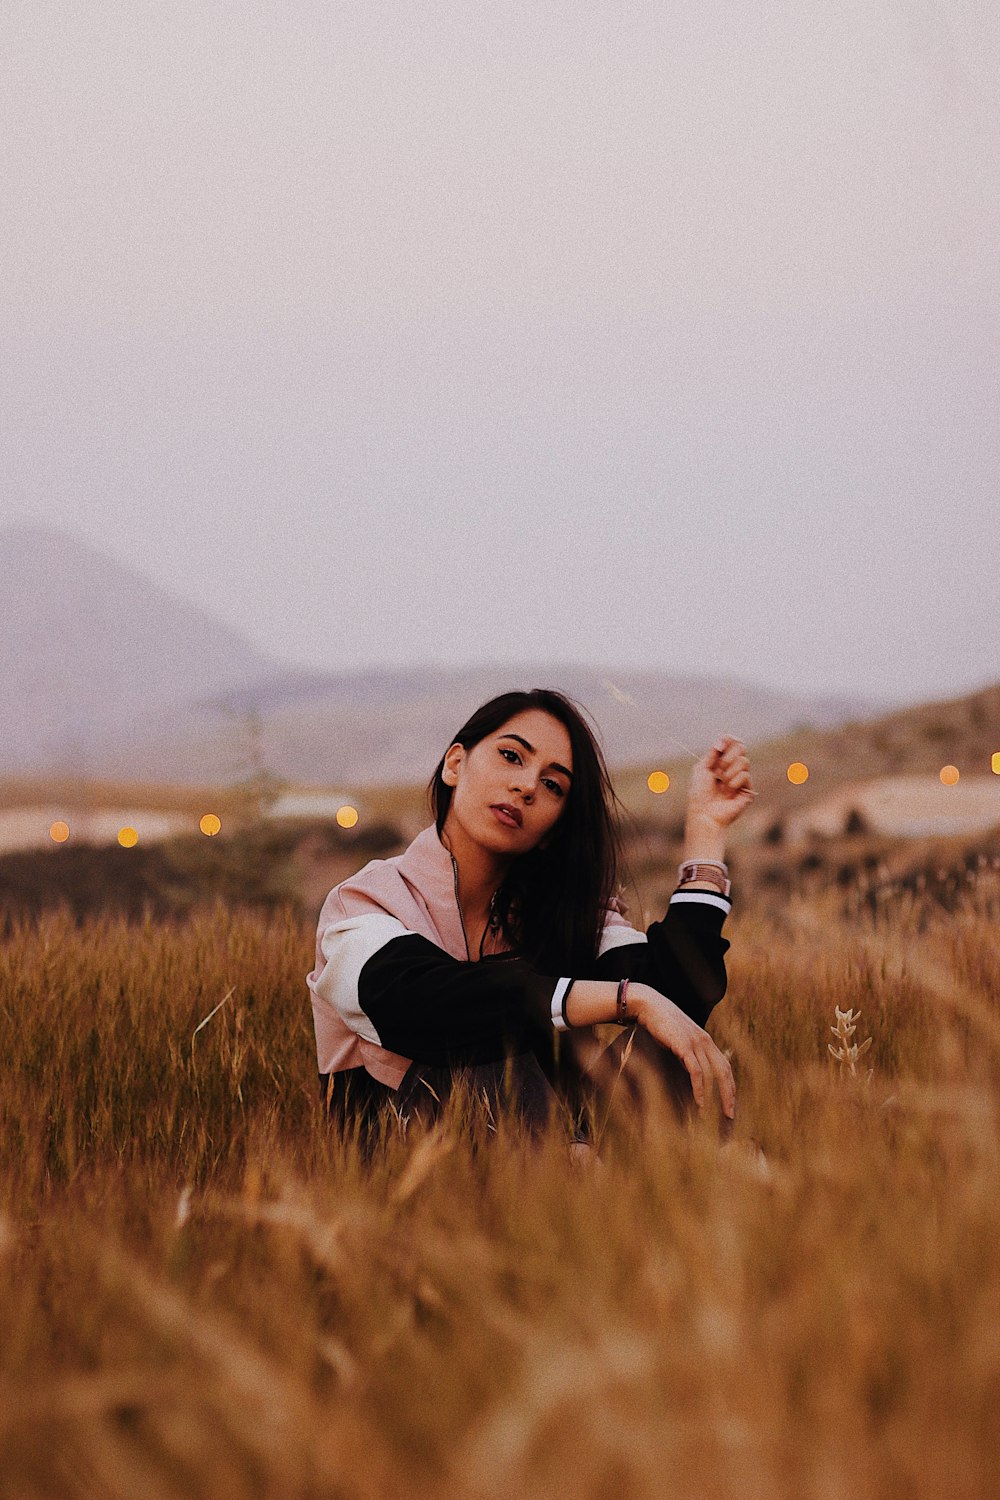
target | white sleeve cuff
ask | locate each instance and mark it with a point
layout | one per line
(705, 898)
(557, 1000)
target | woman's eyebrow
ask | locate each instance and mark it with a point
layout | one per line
(553, 766)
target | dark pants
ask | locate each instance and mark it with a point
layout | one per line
(584, 1078)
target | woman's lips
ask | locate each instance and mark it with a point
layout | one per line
(504, 818)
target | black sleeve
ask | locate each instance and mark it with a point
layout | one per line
(683, 958)
(436, 1009)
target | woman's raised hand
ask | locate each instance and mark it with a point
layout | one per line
(668, 1025)
(720, 789)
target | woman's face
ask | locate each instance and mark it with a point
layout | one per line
(528, 764)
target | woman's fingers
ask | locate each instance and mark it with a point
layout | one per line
(726, 1082)
(729, 764)
(692, 1045)
(714, 1064)
(737, 761)
(728, 744)
(691, 1062)
(724, 756)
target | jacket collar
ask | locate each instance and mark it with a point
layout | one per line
(427, 867)
(430, 869)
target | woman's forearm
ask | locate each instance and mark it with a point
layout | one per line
(593, 1001)
(703, 839)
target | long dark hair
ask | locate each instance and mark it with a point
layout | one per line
(552, 903)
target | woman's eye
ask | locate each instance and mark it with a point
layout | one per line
(505, 750)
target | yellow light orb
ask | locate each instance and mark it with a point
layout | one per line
(210, 824)
(658, 781)
(128, 838)
(797, 772)
(949, 775)
(995, 762)
(347, 816)
(59, 832)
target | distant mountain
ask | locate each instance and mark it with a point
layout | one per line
(106, 674)
(370, 728)
(87, 647)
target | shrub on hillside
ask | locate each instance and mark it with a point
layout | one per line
(252, 866)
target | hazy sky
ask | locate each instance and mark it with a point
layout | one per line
(655, 334)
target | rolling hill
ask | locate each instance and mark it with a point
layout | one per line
(110, 676)
(89, 647)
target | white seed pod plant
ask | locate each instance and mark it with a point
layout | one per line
(848, 1053)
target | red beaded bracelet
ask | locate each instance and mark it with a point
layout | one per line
(621, 1015)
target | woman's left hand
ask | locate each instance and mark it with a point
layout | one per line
(720, 787)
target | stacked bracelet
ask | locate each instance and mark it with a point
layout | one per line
(710, 871)
(621, 1013)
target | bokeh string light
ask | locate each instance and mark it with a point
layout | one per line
(798, 774)
(657, 782)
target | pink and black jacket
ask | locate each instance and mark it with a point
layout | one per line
(394, 982)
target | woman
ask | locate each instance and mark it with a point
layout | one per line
(494, 944)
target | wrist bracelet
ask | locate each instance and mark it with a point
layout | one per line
(564, 999)
(708, 870)
(621, 1013)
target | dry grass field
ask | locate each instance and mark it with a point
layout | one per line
(205, 1291)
